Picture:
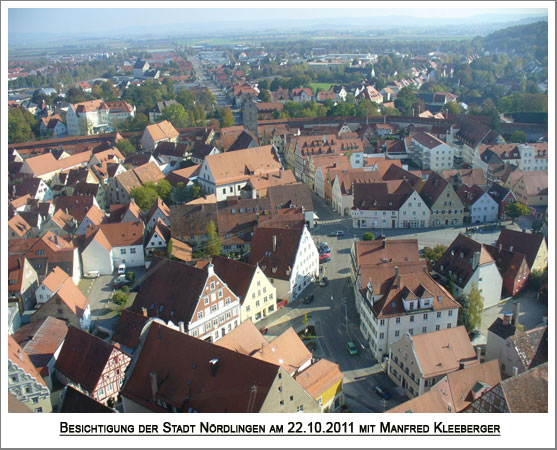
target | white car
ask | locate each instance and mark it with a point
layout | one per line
(122, 269)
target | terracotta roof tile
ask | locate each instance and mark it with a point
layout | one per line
(181, 250)
(521, 242)
(19, 357)
(237, 275)
(319, 377)
(162, 130)
(74, 401)
(528, 391)
(184, 378)
(128, 329)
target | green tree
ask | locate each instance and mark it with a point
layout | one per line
(22, 126)
(470, 315)
(368, 236)
(227, 118)
(125, 147)
(389, 111)
(516, 209)
(164, 189)
(518, 136)
(454, 108)
(186, 99)
(450, 286)
(264, 95)
(213, 244)
(176, 115)
(119, 298)
(538, 278)
(537, 226)
(145, 196)
(264, 84)
(434, 254)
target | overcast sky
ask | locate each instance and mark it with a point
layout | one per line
(100, 20)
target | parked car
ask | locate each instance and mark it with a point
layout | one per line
(351, 347)
(121, 281)
(307, 299)
(324, 260)
(382, 392)
(339, 233)
(324, 256)
(263, 330)
(92, 274)
(324, 250)
(323, 281)
(322, 244)
(122, 269)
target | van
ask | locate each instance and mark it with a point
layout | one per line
(92, 274)
(122, 269)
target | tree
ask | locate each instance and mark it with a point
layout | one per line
(454, 108)
(145, 196)
(538, 278)
(22, 125)
(264, 84)
(164, 189)
(264, 95)
(125, 147)
(537, 226)
(368, 236)
(227, 118)
(213, 245)
(470, 314)
(450, 286)
(516, 209)
(176, 115)
(518, 136)
(434, 254)
(119, 298)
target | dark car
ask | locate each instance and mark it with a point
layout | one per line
(382, 392)
(324, 250)
(339, 233)
(307, 299)
(323, 281)
(332, 233)
(263, 330)
(324, 260)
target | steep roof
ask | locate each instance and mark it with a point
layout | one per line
(528, 391)
(498, 192)
(388, 195)
(239, 165)
(245, 339)
(520, 242)
(458, 259)
(433, 188)
(442, 351)
(161, 229)
(427, 140)
(290, 196)
(531, 346)
(41, 339)
(509, 263)
(191, 219)
(55, 279)
(75, 401)
(319, 377)
(148, 172)
(18, 224)
(237, 275)
(499, 328)
(76, 206)
(128, 328)
(184, 379)
(19, 357)
(469, 194)
(278, 263)
(161, 130)
(158, 205)
(83, 358)
(120, 234)
(162, 292)
(181, 250)
(391, 250)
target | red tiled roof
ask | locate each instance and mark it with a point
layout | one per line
(19, 357)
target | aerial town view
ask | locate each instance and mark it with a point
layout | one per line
(277, 211)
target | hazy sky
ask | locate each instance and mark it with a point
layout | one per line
(99, 20)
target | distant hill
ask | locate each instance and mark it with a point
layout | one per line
(531, 38)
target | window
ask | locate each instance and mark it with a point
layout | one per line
(438, 315)
(247, 308)
(227, 301)
(206, 300)
(449, 325)
(215, 322)
(213, 285)
(39, 253)
(282, 403)
(425, 316)
(132, 250)
(397, 333)
(213, 308)
(122, 251)
(411, 331)
(100, 392)
(382, 322)
(424, 329)
(200, 315)
(300, 408)
(381, 335)
(39, 410)
(253, 295)
(437, 327)
(398, 320)
(220, 293)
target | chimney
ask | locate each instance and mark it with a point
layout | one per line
(274, 243)
(511, 248)
(144, 311)
(499, 248)
(515, 371)
(19, 354)
(475, 260)
(154, 385)
(384, 239)
(210, 270)
(516, 314)
(478, 353)
(181, 326)
(214, 366)
(396, 283)
(507, 318)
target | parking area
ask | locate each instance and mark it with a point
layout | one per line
(99, 292)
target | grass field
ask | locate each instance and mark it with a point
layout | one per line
(322, 86)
